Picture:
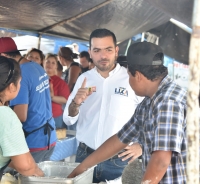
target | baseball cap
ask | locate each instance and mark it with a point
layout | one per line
(143, 53)
(7, 45)
(121, 59)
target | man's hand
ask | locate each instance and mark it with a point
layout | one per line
(78, 170)
(132, 151)
(79, 98)
(83, 93)
(108, 149)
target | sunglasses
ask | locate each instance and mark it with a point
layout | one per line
(10, 73)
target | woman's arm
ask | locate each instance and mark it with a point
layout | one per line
(62, 95)
(21, 111)
(25, 165)
(59, 99)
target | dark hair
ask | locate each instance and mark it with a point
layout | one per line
(67, 53)
(84, 54)
(90, 60)
(38, 51)
(9, 72)
(13, 54)
(59, 66)
(151, 72)
(51, 55)
(101, 33)
(122, 61)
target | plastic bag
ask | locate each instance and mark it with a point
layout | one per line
(115, 181)
(8, 179)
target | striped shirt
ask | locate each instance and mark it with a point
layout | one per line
(159, 123)
(12, 140)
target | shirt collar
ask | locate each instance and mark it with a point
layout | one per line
(166, 80)
(112, 72)
(116, 69)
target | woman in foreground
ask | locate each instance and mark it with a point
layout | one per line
(13, 148)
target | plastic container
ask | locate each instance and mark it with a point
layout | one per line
(57, 172)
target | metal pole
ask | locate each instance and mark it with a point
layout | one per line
(129, 43)
(192, 100)
(142, 38)
(39, 41)
(181, 25)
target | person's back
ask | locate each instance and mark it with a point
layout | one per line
(66, 58)
(35, 92)
(66, 74)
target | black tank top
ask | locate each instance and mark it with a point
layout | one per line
(66, 72)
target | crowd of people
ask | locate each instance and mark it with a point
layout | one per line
(39, 88)
(126, 108)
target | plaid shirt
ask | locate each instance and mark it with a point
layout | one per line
(159, 123)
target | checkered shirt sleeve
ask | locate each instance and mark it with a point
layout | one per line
(169, 131)
(129, 132)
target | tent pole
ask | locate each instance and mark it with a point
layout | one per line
(192, 100)
(142, 38)
(129, 43)
(75, 17)
(39, 41)
(181, 25)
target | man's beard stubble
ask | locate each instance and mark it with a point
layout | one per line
(105, 68)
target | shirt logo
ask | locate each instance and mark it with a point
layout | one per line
(121, 91)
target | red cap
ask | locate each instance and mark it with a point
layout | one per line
(7, 44)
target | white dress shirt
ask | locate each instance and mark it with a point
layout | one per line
(105, 111)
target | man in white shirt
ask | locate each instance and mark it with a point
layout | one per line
(102, 101)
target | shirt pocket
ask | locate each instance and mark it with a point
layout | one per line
(121, 106)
